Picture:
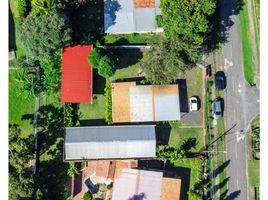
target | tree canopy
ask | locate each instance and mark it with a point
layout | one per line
(186, 19)
(163, 62)
(43, 35)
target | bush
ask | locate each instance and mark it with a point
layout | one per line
(22, 8)
(170, 153)
(94, 58)
(159, 20)
(106, 68)
(108, 105)
(87, 196)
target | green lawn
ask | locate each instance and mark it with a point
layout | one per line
(194, 82)
(18, 105)
(130, 72)
(135, 38)
(179, 135)
(96, 110)
(246, 45)
(254, 173)
(256, 19)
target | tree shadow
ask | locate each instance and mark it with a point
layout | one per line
(221, 168)
(151, 164)
(98, 83)
(221, 23)
(11, 31)
(188, 144)
(94, 122)
(162, 132)
(124, 57)
(182, 173)
(87, 19)
(233, 195)
(110, 9)
(220, 185)
(183, 95)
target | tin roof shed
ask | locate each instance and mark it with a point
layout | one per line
(109, 142)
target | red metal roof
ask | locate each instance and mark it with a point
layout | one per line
(76, 82)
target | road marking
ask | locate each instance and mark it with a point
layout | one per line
(227, 63)
(233, 83)
(239, 85)
(234, 116)
(231, 50)
(258, 100)
(237, 184)
(239, 90)
(239, 136)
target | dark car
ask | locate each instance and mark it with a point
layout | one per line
(220, 80)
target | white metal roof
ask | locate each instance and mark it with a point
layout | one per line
(137, 184)
(107, 142)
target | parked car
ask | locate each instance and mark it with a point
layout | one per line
(217, 109)
(220, 80)
(193, 104)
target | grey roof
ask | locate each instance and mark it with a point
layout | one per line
(107, 142)
(121, 16)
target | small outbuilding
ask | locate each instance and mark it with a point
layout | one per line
(109, 142)
(76, 82)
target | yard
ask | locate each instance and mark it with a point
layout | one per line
(246, 45)
(18, 105)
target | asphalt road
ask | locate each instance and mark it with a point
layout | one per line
(241, 101)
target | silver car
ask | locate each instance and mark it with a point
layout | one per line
(217, 110)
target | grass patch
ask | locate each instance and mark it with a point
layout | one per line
(18, 105)
(246, 45)
(129, 72)
(96, 110)
(256, 26)
(254, 173)
(194, 82)
(179, 135)
(134, 38)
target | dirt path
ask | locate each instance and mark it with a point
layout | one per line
(253, 42)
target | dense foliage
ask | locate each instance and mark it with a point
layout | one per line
(170, 153)
(163, 62)
(51, 74)
(72, 170)
(108, 104)
(71, 114)
(43, 35)
(186, 19)
(21, 149)
(102, 62)
(22, 8)
(256, 140)
(43, 7)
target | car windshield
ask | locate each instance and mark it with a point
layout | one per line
(218, 113)
(194, 101)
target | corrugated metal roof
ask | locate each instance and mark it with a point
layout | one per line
(146, 102)
(121, 16)
(137, 184)
(76, 83)
(85, 143)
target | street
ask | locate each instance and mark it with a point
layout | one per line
(241, 102)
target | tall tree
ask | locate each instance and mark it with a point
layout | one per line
(43, 35)
(186, 19)
(163, 62)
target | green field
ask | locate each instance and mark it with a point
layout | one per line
(246, 45)
(179, 135)
(96, 110)
(18, 105)
(254, 173)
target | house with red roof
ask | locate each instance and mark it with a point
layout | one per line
(77, 76)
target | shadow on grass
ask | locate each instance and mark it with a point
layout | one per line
(162, 131)
(221, 168)
(182, 173)
(220, 185)
(98, 83)
(11, 31)
(94, 122)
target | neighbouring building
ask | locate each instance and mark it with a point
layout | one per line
(76, 83)
(144, 103)
(109, 142)
(131, 16)
(143, 184)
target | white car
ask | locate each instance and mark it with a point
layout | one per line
(193, 104)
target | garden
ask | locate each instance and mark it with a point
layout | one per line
(41, 29)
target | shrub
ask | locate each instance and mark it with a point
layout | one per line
(106, 68)
(87, 196)
(22, 8)
(72, 170)
(170, 153)
(108, 105)
(94, 58)
(159, 21)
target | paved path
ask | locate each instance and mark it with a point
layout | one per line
(241, 101)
